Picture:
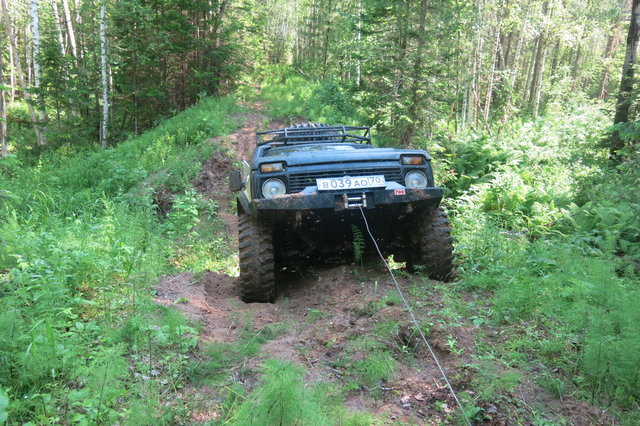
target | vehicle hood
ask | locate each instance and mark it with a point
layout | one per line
(322, 154)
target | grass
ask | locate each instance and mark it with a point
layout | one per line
(81, 244)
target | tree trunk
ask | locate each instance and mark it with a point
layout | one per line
(359, 41)
(556, 58)
(415, 106)
(296, 60)
(12, 74)
(28, 56)
(3, 111)
(610, 51)
(105, 86)
(505, 51)
(528, 78)
(18, 66)
(540, 59)
(56, 21)
(69, 25)
(516, 56)
(37, 73)
(616, 143)
(218, 22)
(327, 33)
(537, 95)
(536, 77)
(496, 48)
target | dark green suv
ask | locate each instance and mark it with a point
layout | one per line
(308, 185)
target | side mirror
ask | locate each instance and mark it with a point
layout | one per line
(235, 181)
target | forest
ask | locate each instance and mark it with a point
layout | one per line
(119, 121)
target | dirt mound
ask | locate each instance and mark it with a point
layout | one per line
(219, 286)
(212, 179)
(185, 293)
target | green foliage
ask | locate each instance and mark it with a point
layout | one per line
(290, 95)
(554, 236)
(489, 381)
(4, 403)
(80, 244)
(358, 243)
(282, 398)
(219, 358)
(377, 367)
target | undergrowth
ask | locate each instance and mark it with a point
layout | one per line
(552, 232)
(81, 243)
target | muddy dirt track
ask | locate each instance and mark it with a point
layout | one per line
(329, 305)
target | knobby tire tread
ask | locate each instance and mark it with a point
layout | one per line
(255, 249)
(434, 245)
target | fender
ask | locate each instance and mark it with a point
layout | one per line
(244, 206)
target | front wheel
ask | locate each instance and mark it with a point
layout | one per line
(432, 244)
(255, 250)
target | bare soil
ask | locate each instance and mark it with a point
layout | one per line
(324, 310)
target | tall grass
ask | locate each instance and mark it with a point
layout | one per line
(80, 244)
(553, 233)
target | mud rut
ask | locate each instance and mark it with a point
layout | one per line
(337, 293)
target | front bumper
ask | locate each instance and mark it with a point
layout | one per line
(336, 200)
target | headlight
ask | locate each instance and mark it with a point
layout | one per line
(415, 179)
(412, 160)
(273, 188)
(271, 167)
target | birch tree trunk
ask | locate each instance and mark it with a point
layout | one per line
(496, 48)
(537, 78)
(65, 69)
(18, 67)
(27, 56)
(56, 21)
(69, 25)
(3, 110)
(358, 41)
(12, 74)
(42, 113)
(105, 86)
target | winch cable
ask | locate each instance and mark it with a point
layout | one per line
(415, 321)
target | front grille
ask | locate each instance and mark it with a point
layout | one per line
(299, 181)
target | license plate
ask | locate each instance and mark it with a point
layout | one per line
(349, 182)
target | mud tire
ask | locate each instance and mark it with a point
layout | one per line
(255, 248)
(433, 245)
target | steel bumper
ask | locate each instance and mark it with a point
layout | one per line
(336, 200)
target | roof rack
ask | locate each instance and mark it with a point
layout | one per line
(319, 134)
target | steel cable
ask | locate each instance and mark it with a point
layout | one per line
(415, 321)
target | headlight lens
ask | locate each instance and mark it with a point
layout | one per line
(273, 188)
(415, 179)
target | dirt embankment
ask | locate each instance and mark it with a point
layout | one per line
(323, 312)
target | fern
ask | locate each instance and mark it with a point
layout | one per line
(358, 244)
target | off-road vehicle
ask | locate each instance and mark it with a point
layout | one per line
(308, 185)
